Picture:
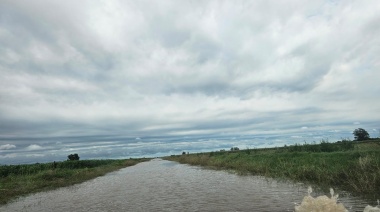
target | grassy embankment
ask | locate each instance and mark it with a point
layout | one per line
(19, 180)
(349, 165)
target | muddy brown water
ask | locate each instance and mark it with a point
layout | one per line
(160, 185)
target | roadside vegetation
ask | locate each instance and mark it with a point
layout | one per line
(19, 180)
(350, 165)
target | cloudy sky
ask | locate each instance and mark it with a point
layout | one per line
(120, 79)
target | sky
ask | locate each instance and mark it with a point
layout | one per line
(121, 79)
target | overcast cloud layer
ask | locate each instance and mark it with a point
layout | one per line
(116, 79)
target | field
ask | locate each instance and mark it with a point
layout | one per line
(18, 180)
(349, 165)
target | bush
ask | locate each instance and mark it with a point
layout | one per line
(73, 157)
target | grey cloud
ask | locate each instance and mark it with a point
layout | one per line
(83, 73)
(33, 147)
(7, 146)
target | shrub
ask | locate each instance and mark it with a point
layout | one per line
(73, 157)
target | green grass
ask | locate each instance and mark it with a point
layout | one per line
(355, 167)
(19, 180)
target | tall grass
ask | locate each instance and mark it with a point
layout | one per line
(18, 180)
(27, 169)
(356, 170)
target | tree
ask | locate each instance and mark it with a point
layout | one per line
(73, 157)
(360, 134)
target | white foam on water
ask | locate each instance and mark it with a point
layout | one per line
(326, 204)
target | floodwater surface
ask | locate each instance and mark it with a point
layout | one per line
(160, 185)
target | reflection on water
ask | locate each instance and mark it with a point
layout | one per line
(160, 185)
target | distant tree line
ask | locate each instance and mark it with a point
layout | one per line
(360, 134)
